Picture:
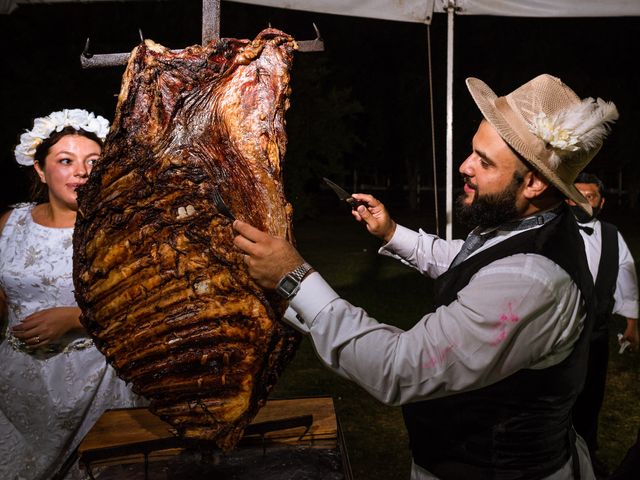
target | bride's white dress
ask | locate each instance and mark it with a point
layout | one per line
(49, 398)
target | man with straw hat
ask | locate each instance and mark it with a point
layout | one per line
(488, 379)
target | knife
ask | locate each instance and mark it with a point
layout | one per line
(220, 205)
(343, 194)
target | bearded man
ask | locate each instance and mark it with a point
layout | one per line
(488, 379)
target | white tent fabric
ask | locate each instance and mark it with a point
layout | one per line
(545, 8)
(421, 11)
(418, 11)
(401, 10)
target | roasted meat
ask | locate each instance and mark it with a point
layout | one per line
(162, 290)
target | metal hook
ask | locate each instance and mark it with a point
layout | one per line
(85, 52)
(315, 45)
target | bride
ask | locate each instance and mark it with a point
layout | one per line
(54, 383)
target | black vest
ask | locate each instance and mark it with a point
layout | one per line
(519, 427)
(606, 280)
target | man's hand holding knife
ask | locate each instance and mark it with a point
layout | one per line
(376, 218)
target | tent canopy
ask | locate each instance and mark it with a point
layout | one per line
(421, 11)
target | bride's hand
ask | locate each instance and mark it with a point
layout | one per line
(46, 326)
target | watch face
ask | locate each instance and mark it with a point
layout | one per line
(288, 284)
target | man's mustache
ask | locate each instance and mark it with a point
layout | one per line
(467, 179)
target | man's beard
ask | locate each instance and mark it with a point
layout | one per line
(489, 210)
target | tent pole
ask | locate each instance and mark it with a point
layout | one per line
(436, 200)
(210, 21)
(451, 7)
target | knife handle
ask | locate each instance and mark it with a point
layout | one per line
(355, 203)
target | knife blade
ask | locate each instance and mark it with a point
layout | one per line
(343, 194)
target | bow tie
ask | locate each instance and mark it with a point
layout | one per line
(585, 229)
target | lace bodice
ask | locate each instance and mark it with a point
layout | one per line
(36, 271)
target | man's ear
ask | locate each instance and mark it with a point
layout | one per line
(602, 202)
(534, 185)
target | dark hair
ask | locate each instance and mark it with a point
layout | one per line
(39, 190)
(584, 177)
(530, 167)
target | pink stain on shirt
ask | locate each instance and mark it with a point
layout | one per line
(505, 319)
(500, 338)
(438, 359)
(509, 316)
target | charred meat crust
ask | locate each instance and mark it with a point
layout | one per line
(162, 290)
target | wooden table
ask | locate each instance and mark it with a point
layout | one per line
(135, 443)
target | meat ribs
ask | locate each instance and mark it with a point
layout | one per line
(163, 292)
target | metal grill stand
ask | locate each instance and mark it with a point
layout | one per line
(294, 436)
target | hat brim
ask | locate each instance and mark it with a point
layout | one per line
(485, 99)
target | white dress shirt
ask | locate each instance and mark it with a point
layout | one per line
(626, 294)
(521, 311)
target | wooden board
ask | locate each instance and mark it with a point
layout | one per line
(120, 435)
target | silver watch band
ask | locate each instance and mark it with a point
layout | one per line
(289, 285)
(299, 272)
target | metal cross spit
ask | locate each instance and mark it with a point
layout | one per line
(210, 32)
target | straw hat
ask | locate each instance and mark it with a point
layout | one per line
(548, 124)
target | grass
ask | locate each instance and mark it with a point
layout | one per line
(375, 437)
(619, 418)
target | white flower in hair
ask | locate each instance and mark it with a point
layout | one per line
(77, 117)
(581, 127)
(98, 124)
(27, 148)
(43, 127)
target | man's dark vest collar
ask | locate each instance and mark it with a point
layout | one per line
(519, 427)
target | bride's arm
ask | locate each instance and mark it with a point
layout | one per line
(3, 219)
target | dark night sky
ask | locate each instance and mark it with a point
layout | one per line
(381, 61)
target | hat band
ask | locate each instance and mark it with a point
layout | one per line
(521, 129)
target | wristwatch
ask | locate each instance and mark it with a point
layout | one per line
(289, 285)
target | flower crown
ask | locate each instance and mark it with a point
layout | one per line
(43, 127)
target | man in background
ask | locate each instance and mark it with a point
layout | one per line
(616, 292)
